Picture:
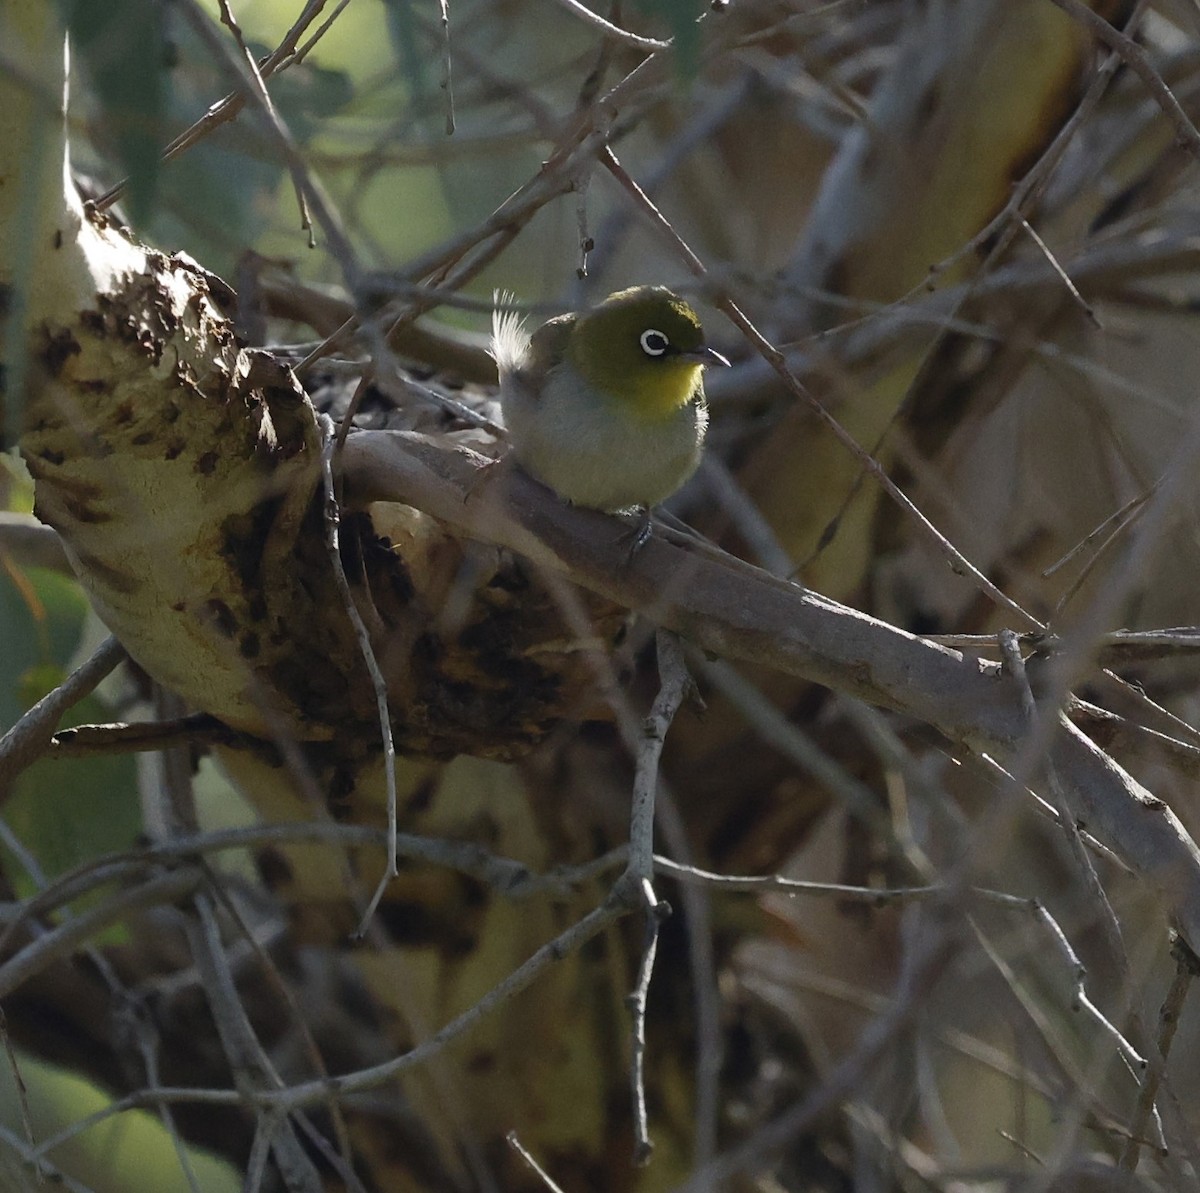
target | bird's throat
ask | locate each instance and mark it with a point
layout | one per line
(668, 388)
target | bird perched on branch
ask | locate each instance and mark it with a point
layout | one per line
(606, 406)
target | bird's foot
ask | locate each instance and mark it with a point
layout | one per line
(638, 535)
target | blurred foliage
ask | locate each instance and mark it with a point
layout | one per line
(65, 811)
(41, 622)
(131, 1151)
(122, 47)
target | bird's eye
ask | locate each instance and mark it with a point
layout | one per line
(654, 343)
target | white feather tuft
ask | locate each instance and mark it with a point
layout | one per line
(510, 340)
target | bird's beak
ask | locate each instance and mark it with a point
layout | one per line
(706, 356)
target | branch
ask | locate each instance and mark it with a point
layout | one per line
(1137, 60)
(738, 611)
(30, 737)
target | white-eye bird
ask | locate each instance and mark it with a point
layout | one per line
(606, 406)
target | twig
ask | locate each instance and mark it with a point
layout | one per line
(332, 517)
(33, 1156)
(565, 943)
(264, 99)
(673, 685)
(636, 882)
(30, 737)
(1072, 289)
(251, 1066)
(63, 940)
(131, 738)
(309, 194)
(1169, 1015)
(22, 1092)
(1115, 521)
(1126, 516)
(130, 1006)
(928, 960)
(997, 236)
(609, 29)
(508, 878)
(446, 81)
(657, 911)
(777, 730)
(748, 521)
(761, 883)
(542, 1175)
(586, 243)
(1137, 60)
(1067, 821)
(228, 108)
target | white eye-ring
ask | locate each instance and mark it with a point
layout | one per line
(654, 343)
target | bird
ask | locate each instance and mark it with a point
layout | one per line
(606, 406)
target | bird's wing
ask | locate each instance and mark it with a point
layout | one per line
(548, 345)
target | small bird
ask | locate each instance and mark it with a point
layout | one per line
(606, 406)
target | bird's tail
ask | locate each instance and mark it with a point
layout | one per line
(510, 340)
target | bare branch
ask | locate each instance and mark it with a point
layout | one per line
(735, 610)
(30, 737)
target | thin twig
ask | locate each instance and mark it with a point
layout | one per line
(311, 195)
(656, 912)
(62, 941)
(332, 518)
(264, 98)
(248, 1059)
(522, 1151)
(447, 84)
(30, 737)
(22, 1094)
(1015, 665)
(1072, 289)
(609, 29)
(1139, 62)
(673, 685)
(1169, 1015)
(566, 942)
(227, 109)
(674, 682)
(1115, 521)
(122, 737)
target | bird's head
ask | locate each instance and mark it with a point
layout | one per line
(644, 346)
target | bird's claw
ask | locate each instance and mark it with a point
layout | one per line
(638, 535)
